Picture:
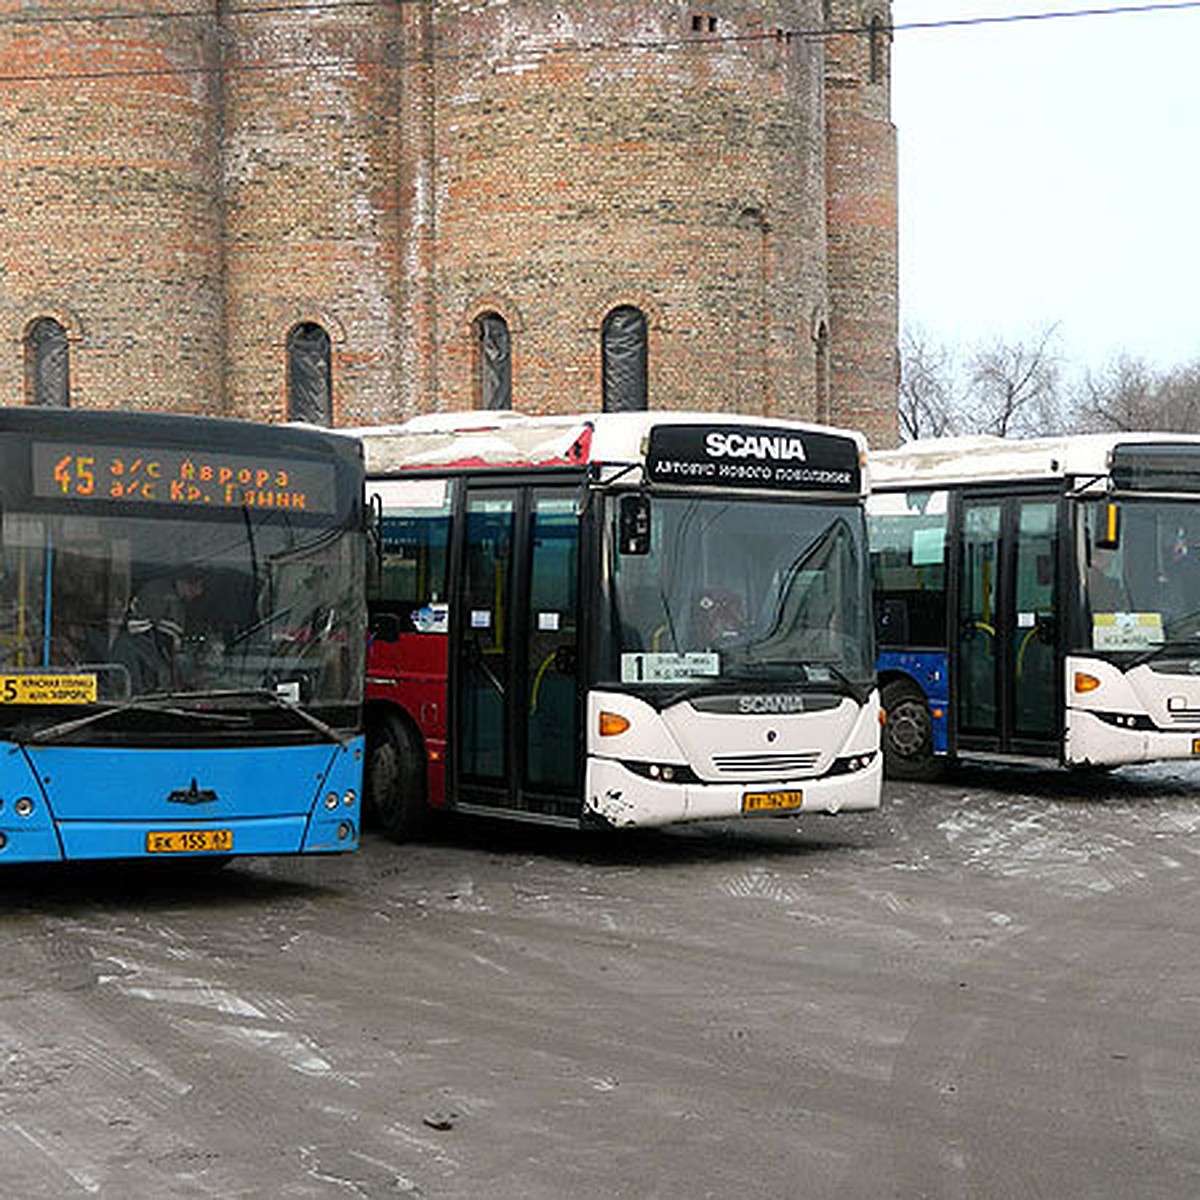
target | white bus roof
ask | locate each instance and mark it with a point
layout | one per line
(983, 457)
(509, 439)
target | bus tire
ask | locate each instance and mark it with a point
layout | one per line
(908, 733)
(396, 780)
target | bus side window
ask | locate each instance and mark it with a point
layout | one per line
(412, 572)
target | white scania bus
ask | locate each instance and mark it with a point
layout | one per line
(1038, 600)
(619, 619)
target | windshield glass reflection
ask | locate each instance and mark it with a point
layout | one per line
(147, 606)
(1145, 592)
(740, 590)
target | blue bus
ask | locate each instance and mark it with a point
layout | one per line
(182, 616)
(1037, 601)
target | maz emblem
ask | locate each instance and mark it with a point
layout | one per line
(192, 795)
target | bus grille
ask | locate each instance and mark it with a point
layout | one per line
(765, 764)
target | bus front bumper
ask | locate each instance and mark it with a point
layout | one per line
(1096, 740)
(618, 798)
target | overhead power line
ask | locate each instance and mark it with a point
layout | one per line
(1061, 14)
(532, 48)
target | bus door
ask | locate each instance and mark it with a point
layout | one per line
(516, 704)
(1007, 697)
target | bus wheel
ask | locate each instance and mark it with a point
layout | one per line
(908, 733)
(396, 781)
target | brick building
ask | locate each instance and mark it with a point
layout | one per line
(360, 211)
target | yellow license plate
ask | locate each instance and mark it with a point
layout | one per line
(1196, 745)
(768, 802)
(189, 841)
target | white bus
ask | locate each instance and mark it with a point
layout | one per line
(1038, 600)
(619, 620)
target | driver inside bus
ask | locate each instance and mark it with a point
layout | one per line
(1105, 585)
(160, 626)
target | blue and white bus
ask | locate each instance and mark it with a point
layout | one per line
(1038, 601)
(182, 616)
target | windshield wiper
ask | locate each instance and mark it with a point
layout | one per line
(166, 704)
(1167, 648)
(277, 701)
(767, 668)
(858, 692)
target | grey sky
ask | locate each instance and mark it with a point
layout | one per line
(1050, 172)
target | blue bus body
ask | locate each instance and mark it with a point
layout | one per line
(87, 803)
(182, 616)
(928, 670)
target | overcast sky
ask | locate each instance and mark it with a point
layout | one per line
(1050, 172)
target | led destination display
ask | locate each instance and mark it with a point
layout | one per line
(180, 478)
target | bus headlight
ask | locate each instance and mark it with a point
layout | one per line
(332, 801)
(350, 798)
(23, 807)
(852, 763)
(662, 772)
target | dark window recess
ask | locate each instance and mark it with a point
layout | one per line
(495, 362)
(310, 376)
(47, 364)
(623, 340)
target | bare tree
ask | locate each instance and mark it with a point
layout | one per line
(928, 384)
(1118, 398)
(1014, 387)
(1128, 395)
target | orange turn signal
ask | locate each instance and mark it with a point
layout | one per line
(1085, 682)
(612, 723)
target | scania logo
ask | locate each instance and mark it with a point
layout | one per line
(779, 447)
(770, 704)
(192, 795)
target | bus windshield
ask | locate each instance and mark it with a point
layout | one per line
(734, 591)
(1143, 595)
(252, 602)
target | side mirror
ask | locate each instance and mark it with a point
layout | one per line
(634, 524)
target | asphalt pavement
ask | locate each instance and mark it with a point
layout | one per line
(990, 988)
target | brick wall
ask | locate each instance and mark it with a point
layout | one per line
(862, 219)
(108, 203)
(391, 172)
(621, 157)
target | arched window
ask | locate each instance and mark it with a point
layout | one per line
(623, 346)
(47, 364)
(309, 375)
(493, 361)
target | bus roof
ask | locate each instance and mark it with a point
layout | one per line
(983, 457)
(456, 440)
